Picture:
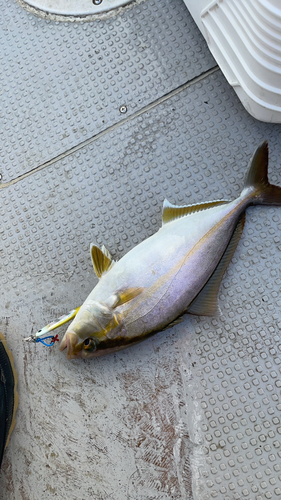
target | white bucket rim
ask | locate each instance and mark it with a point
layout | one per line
(73, 9)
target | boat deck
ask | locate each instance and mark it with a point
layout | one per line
(100, 122)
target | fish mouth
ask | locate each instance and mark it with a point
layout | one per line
(69, 342)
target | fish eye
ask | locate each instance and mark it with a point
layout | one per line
(89, 345)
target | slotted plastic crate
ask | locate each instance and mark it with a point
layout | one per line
(245, 39)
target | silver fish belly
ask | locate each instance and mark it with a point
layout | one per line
(177, 270)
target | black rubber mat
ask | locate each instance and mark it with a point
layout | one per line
(7, 397)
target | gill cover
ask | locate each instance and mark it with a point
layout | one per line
(93, 321)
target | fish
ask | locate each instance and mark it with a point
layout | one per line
(175, 271)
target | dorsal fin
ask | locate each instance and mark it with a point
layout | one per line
(205, 303)
(101, 259)
(172, 212)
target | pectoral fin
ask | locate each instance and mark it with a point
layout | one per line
(123, 296)
(205, 303)
(101, 259)
(172, 212)
(173, 323)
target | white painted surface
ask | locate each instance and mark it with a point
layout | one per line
(76, 7)
(244, 38)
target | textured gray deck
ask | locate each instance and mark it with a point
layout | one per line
(194, 412)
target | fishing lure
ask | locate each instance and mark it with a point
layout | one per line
(41, 336)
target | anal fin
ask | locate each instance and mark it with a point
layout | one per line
(205, 304)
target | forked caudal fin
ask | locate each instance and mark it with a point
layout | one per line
(265, 193)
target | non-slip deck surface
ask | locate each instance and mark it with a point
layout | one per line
(194, 412)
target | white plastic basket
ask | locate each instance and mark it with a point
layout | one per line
(244, 37)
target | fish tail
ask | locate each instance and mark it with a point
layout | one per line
(264, 193)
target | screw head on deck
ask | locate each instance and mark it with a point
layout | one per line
(123, 109)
